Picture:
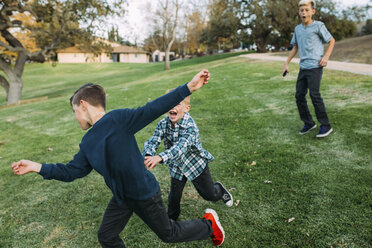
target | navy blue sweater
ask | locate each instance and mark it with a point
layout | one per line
(110, 148)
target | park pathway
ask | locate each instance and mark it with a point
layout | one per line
(364, 69)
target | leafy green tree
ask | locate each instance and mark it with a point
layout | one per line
(222, 28)
(339, 26)
(56, 24)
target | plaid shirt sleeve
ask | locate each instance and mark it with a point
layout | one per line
(152, 144)
(180, 147)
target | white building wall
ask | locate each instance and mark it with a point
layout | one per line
(83, 58)
(134, 58)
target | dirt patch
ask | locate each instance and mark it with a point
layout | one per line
(22, 102)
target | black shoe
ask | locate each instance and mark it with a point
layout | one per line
(226, 195)
(324, 131)
(307, 129)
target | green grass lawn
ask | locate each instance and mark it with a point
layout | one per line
(248, 120)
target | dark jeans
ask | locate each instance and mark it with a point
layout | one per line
(153, 213)
(203, 184)
(310, 79)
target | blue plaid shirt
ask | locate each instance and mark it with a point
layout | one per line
(184, 153)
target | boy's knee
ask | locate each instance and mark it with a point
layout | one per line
(105, 238)
(102, 236)
(315, 96)
(299, 96)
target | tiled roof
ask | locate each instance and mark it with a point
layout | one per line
(127, 49)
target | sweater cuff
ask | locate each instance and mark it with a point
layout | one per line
(45, 170)
(185, 90)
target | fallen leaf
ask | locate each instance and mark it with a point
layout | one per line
(253, 163)
(255, 152)
(49, 149)
(237, 202)
(231, 189)
(307, 234)
(267, 181)
(291, 219)
(1, 143)
(234, 174)
(250, 169)
(236, 120)
(1, 157)
(149, 99)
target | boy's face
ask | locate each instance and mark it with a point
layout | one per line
(81, 115)
(306, 13)
(177, 113)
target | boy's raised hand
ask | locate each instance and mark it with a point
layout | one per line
(199, 80)
(25, 166)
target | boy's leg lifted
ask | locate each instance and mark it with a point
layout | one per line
(211, 191)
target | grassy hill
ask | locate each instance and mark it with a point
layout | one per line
(248, 120)
(357, 50)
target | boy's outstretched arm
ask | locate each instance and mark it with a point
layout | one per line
(76, 168)
(136, 119)
(324, 61)
(25, 166)
(290, 57)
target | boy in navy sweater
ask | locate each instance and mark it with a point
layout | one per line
(110, 148)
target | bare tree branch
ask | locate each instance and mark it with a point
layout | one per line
(5, 66)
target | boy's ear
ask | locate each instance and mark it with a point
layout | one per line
(84, 104)
(188, 108)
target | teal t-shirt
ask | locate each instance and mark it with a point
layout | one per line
(309, 41)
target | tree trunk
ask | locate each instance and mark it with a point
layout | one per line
(15, 89)
(4, 83)
(167, 63)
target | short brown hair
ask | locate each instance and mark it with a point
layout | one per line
(92, 93)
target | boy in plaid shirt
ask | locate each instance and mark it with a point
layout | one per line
(185, 156)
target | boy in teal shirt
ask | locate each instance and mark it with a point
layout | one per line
(185, 156)
(308, 38)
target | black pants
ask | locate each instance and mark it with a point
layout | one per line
(153, 213)
(310, 79)
(203, 184)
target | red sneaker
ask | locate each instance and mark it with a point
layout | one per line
(218, 234)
